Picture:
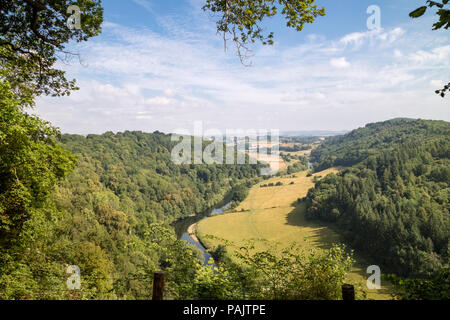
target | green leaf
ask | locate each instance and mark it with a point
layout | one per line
(418, 12)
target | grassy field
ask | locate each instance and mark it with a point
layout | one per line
(271, 214)
(276, 163)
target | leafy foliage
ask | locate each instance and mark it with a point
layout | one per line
(32, 35)
(239, 193)
(241, 20)
(442, 12)
(300, 165)
(273, 274)
(444, 22)
(358, 145)
(293, 274)
(442, 92)
(437, 288)
(30, 164)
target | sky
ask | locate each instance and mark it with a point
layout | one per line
(160, 65)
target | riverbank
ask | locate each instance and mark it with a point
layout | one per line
(182, 225)
(191, 231)
(186, 228)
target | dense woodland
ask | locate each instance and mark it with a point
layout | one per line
(137, 168)
(124, 189)
(357, 145)
(391, 201)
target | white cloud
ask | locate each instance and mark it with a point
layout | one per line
(373, 37)
(147, 5)
(437, 83)
(141, 80)
(354, 38)
(339, 63)
(439, 55)
(398, 53)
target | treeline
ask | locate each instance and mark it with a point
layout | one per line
(392, 206)
(138, 169)
(352, 148)
(289, 157)
(299, 165)
(301, 140)
(295, 148)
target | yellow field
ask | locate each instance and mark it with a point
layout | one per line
(272, 216)
(275, 163)
(299, 153)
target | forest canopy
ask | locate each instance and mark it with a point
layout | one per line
(391, 201)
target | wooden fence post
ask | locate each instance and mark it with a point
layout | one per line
(158, 285)
(348, 292)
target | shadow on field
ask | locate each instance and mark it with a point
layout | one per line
(323, 235)
(317, 233)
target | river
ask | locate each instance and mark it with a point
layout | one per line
(181, 226)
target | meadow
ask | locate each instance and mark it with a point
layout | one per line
(273, 215)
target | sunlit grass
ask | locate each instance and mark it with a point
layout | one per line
(271, 213)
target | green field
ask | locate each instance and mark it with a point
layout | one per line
(272, 214)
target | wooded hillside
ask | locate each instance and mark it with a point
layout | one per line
(392, 200)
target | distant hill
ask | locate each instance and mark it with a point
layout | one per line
(357, 145)
(311, 133)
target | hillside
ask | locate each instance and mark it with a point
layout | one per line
(137, 168)
(359, 144)
(392, 202)
(102, 219)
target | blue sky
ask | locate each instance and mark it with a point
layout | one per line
(159, 65)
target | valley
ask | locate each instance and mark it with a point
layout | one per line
(271, 215)
(211, 150)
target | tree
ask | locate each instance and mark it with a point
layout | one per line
(239, 193)
(241, 19)
(30, 164)
(291, 273)
(33, 34)
(444, 22)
